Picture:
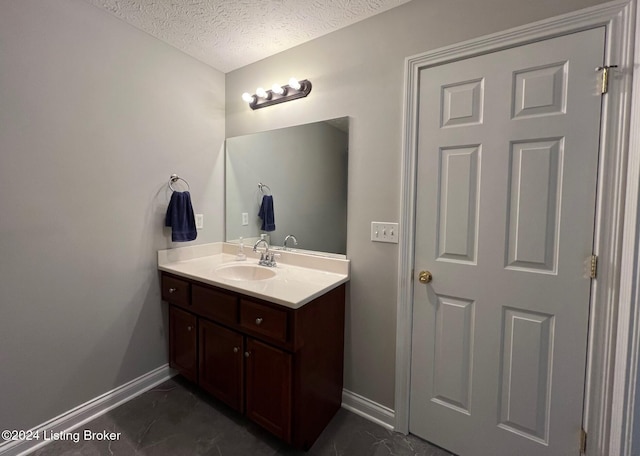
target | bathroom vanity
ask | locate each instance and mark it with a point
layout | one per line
(268, 342)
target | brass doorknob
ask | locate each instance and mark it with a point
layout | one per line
(425, 277)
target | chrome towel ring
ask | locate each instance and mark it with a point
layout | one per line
(262, 186)
(174, 178)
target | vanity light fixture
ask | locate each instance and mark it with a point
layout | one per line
(278, 94)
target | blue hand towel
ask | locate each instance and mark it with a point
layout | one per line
(180, 218)
(266, 214)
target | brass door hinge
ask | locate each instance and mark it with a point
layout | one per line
(593, 268)
(583, 441)
(604, 87)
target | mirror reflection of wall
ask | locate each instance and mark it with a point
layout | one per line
(305, 169)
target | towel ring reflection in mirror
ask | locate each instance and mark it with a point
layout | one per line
(175, 178)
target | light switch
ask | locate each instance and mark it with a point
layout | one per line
(199, 221)
(245, 218)
(384, 232)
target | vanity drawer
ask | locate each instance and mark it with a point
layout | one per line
(263, 319)
(215, 305)
(175, 291)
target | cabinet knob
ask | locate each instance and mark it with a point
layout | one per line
(236, 349)
(258, 320)
(172, 290)
(247, 354)
(188, 328)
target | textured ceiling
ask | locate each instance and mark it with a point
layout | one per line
(229, 34)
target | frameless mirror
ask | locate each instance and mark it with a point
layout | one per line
(304, 169)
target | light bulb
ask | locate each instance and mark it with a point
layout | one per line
(294, 84)
(247, 97)
(277, 88)
(261, 92)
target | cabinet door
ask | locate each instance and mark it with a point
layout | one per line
(183, 342)
(220, 363)
(268, 387)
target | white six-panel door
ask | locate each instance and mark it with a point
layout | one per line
(506, 186)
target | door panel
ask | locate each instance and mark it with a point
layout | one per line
(540, 91)
(505, 202)
(453, 353)
(534, 203)
(525, 378)
(458, 210)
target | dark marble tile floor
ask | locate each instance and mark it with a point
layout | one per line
(176, 419)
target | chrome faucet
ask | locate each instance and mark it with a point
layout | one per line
(266, 258)
(290, 236)
(266, 245)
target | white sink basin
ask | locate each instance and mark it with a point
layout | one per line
(244, 272)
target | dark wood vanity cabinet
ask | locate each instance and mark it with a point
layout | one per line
(281, 367)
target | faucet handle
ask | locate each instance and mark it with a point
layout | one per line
(271, 259)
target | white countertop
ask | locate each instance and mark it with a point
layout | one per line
(299, 278)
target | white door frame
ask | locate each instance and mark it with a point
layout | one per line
(614, 333)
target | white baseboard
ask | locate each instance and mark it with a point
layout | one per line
(366, 408)
(88, 411)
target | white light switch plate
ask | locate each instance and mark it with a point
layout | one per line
(245, 218)
(199, 221)
(384, 232)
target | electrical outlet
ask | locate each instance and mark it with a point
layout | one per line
(199, 221)
(245, 218)
(384, 232)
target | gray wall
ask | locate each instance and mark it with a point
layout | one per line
(359, 72)
(305, 168)
(94, 117)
